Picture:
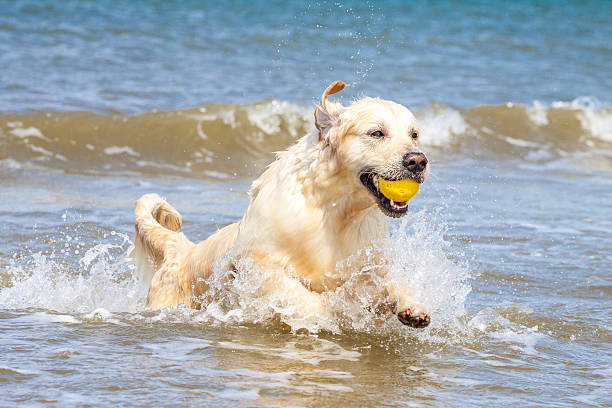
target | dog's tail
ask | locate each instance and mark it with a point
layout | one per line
(155, 236)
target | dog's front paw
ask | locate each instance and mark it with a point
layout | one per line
(413, 319)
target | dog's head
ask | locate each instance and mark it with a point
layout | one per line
(373, 138)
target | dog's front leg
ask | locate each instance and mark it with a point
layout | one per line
(408, 311)
(397, 297)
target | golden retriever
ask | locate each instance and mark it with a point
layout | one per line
(317, 205)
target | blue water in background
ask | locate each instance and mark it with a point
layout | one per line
(140, 55)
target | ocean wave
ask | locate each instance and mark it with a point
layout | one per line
(221, 140)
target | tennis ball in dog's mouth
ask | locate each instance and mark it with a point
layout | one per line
(398, 190)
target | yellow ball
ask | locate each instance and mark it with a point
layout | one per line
(398, 191)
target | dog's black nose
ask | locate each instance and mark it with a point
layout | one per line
(415, 162)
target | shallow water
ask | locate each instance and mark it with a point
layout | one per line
(508, 240)
(535, 325)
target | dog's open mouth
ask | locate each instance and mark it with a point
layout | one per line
(389, 207)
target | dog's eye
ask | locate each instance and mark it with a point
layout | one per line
(377, 134)
(414, 135)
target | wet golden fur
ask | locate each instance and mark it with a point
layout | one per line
(308, 213)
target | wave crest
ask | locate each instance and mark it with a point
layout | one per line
(225, 140)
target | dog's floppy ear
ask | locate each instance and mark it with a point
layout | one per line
(327, 112)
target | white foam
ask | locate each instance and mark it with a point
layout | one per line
(439, 123)
(526, 338)
(9, 164)
(64, 319)
(520, 142)
(493, 325)
(40, 150)
(538, 113)
(321, 350)
(28, 132)
(594, 117)
(101, 314)
(227, 116)
(102, 283)
(269, 115)
(114, 150)
(44, 317)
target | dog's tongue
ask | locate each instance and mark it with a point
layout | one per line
(399, 191)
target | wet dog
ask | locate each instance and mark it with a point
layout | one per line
(315, 206)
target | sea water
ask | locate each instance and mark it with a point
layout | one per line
(508, 241)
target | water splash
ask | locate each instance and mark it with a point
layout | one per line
(100, 283)
(101, 280)
(420, 260)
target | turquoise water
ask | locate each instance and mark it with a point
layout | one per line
(508, 241)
